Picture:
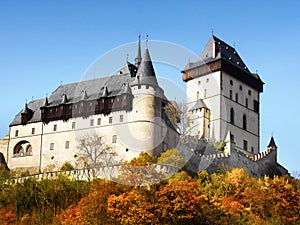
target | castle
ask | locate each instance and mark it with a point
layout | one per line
(128, 110)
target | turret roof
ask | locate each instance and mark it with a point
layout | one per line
(272, 143)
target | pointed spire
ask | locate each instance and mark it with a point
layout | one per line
(138, 58)
(127, 89)
(84, 95)
(46, 103)
(272, 143)
(105, 92)
(64, 98)
(26, 110)
(145, 73)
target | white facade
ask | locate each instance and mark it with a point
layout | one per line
(229, 91)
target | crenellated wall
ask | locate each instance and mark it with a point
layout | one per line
(258, 165)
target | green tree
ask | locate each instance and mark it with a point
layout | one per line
(172, 157)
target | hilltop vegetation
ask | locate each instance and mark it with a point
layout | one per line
(227, 197)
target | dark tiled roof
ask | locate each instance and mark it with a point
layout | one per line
(272, 143)
(145, 73)
(199, 105)
(217, 49)
(34, 105)
(74, 92)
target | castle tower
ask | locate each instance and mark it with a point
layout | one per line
(147, 108)
(222, 81)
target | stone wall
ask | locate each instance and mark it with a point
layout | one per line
(257, 165)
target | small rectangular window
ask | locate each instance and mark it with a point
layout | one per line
(114, 139)
(67, 145)
(17, 133)
(249, 92)
(110, 120)
(207, 80)
(241, 87)
(252, 149)
(230, 94)
(231, 82)
(73, 125)
(54, 127)
(255, 106)
(197, 95)
(121, 118)
(232, 137)
(237, 97)
(33, 130)
(51, 146)
(246, 102)
(205, 93)
(245, 145)
(99, 121)
(139, 86)
(199, 82)
(92, 122)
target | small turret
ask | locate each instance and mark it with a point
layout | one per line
(138, 58)
(272, 144)
(46, 102)
(26, 114)
(105, 92)
(84, 95)
(145, 74)
(64, 99)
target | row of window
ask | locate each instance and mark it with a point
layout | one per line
(255, 103)
(245, 144)
(67, 143)
(240, 87)
(110, 120)
(232, 119)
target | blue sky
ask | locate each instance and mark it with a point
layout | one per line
(45, 42)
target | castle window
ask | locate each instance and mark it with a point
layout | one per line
(232, 116)
(139, 86)
(231, 82)
(114, 139)
(16, 133)
(33, 130)
(92, 122)
(28, 150)
(207, 80)
(256, 106)
(230, 94)
(121, 118)
(54, 127)
(249, 92)
(51, 146)
(246, 102)
(197, 95)
(73, 125)
(147, 86)
(241, 87)
(204, 93)
(232, 137)
(244, 122)
(237, 97)
(199, 82)
(99, 121)
(67, 145)
(110, 120)
(245, 145)
(252, 149)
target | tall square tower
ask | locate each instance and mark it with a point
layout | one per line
(223, 97)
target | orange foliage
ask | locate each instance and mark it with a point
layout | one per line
(7, 217)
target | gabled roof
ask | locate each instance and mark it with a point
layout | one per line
(199, 105)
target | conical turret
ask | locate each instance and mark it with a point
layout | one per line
(272, 143)
(145, 73)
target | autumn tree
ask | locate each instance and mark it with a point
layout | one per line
(94, 152)
(172, 157)
(140, 171)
